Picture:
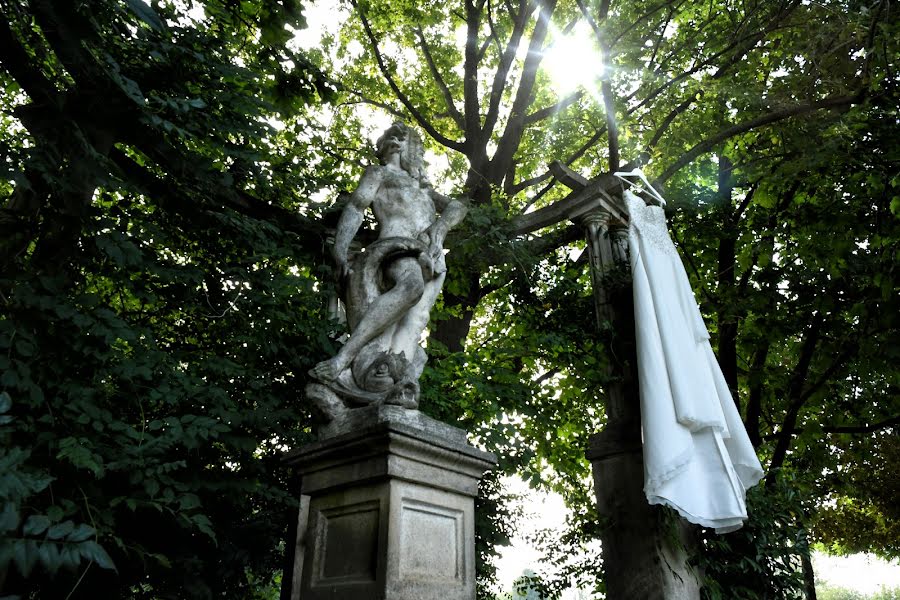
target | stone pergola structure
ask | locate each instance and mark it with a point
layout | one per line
(645, 549)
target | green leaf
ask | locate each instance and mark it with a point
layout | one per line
(76, 451)
(25, 555)
(81, 533)
(5, 402)
(204, 525)
(69, 556)
(49, 555)
(162, 559)
(10, 378)
(188, 501)
(61, 530)
(9, 518)
(25, 348)
(55, 513)
(152, 487)
(92, 551)
(6, 553)
(36, 525)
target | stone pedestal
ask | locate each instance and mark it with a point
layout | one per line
(645, 551)
(388, 510)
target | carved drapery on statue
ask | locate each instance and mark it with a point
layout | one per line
(388, 288)
(377, 374)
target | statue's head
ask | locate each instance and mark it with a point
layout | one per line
(405, 140)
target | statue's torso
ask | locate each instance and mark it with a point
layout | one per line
(402, 208)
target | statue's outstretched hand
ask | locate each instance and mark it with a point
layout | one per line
(434, 235)
(343, 268)
(342, 265)
(327, 370)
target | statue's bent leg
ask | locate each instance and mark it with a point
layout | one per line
(409, 330)
(385, 310)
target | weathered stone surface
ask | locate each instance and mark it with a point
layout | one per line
(356, 421)
(388, 289)
(645, 554)
(390, 510)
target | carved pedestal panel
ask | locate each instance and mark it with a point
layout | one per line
(388, 510)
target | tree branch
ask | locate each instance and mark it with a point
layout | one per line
(606, 91)
(594, 195)
(548, 111)
(382, 105)
(671, 117)
(546, 175)
(518, 187)
(512, 134)
(586, 146)
(442, 85)
(848, 349)
(543, 191)
(547, 375)
(626, 30)
(527, 183)
(767, 119)
(18, 64)
(471, 107)
(795, 397)
(493, 34)
(850, 429)
(502, 74)
(382, 66)
(542, 244)
(740, 44)
(659, 38)
(311, 233)
(754, 398)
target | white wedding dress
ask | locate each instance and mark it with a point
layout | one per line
(697, 456)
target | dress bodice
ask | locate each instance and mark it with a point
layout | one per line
(650, 221)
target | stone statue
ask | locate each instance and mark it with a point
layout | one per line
(389, 287)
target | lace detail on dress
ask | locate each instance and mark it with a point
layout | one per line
(650, 222)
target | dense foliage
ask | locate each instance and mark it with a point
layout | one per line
(164, 285)
(158, 298)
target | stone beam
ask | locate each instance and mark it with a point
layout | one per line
(588, 195)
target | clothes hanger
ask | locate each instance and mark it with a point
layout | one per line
(647, 187)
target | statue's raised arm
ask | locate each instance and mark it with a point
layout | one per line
(392, 284)
(353, 215)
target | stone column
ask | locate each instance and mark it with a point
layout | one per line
(645, 550)
(388, 510)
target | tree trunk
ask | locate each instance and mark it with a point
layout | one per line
(453, 330)
(809, 576)
(726, 319)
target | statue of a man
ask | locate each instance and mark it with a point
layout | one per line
(391, 285)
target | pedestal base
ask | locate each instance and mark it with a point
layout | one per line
(389, 510)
